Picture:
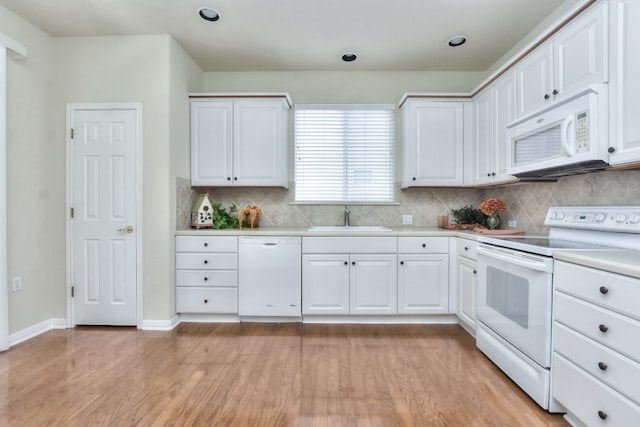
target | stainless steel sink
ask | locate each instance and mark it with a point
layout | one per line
(365, 228)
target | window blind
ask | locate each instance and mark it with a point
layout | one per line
(344, 153)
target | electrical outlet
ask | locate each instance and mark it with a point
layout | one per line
(16, 284)
(512, 223)
(407, 219)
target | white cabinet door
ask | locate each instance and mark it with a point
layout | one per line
(373, 284)
(433, 143)
(534, 75)
(580, 52)
(467, 291)
(259, 157)
(483, 172)
(239, 142)
(325, 284)
(423, 284)
(211, 143)
(504, 112)
(624, 85)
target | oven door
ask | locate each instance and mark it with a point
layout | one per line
(514, 299)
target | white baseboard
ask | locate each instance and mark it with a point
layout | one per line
(160, 325)
(35, 330)
(441, 319)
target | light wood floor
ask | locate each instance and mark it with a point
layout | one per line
(260, 375)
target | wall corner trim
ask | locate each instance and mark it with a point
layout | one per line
(18, 50)
(35, 330)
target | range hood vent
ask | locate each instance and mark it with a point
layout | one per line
(564, 170)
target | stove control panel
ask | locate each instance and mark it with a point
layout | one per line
(623, 219)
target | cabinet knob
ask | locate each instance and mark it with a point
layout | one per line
(206, 278)
(401, 262)
(346, 263)
(611, 149)
(206, 261)
(206, 244)
(424, 245)
(604, 290)
(466, 248)
(603, 328)
(235, 178)
(206, 301)
(414, 178)
(546, 96)
(603, 366)
(488, 174)
(228, 178)
(353, 263)
(493, 174)
(475, 271)
(555, 91)
(602, 415)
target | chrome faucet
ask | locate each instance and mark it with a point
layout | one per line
(346, 215)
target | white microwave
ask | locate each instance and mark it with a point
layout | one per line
(567, 138)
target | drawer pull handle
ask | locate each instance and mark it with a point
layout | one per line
(206, 278)
(602, 415)
(603, 366)
(603, 328)
(206, 301)
(424, 245)
(206, 244)
(604, 290)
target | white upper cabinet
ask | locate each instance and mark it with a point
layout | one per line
(492, 111)
(624, 87)
(239, 141)
(570, 61)
(433, 140)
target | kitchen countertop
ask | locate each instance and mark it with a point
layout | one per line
(621, 261)
(304, 231)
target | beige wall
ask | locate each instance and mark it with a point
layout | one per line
(35, 180)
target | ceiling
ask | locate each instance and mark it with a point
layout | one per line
(296, 35)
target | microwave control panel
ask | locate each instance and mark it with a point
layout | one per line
(582, 132)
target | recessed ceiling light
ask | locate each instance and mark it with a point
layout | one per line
(208, 14)
(457, 41)
(349, 57)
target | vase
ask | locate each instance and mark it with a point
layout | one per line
(493, 221)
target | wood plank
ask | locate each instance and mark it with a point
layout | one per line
(260, 375)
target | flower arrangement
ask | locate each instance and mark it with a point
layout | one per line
(491, 207)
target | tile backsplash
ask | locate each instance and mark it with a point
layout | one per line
(527, 203)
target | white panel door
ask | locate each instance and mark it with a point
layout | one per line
(104, 192)
(534, 76)
(325, 284)
(373, 284)
(423, 284)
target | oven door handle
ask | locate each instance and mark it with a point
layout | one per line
(522, 260)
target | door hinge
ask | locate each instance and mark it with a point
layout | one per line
(73, 291)
(71, 133)
(72, 212)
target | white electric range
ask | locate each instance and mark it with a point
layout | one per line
(515, 288)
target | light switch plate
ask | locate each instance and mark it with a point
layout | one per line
(512, 223)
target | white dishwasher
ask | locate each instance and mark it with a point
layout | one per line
(269, 276)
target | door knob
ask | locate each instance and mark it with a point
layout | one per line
(127, 229)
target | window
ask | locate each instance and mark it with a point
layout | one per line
(344, 153)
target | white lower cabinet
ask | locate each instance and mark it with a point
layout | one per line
(467, 278)
(596, 350)
(207, 274)
(349, 275)
(423, 275)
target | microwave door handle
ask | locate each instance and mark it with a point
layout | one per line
(566, 136)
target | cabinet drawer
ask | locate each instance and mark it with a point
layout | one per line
(619, 372)
(206, 261)
(614, 291)
(206, 244)
(606, 327)
(468, 248)
(365, 245)
(423, 245)
(588, 399)
(207, 300)
(208, 278)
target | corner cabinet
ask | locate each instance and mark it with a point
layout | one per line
(239, 140)
(433, 142)
(624, 90)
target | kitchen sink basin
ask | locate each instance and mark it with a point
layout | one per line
(365, 228)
